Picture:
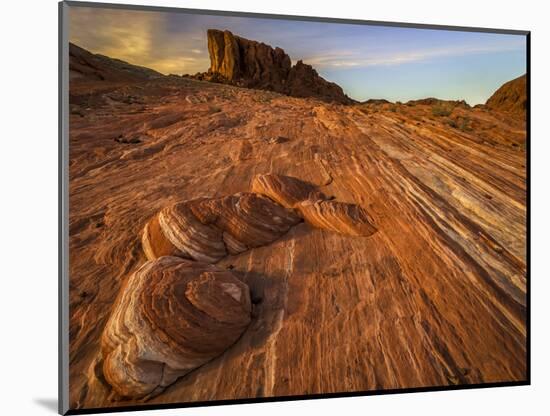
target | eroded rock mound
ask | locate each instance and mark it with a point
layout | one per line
(510, 97)
(209, 229)
(172, 316)
(252, 64)
(340, 217)
(285, 190)
(248, 219)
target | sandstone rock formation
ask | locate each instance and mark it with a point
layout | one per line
(172, 316)
(313, 206)
(510, 97)
(252, 64)
(255, 64)
(210, 229)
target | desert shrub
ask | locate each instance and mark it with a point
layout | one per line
(461, 123)
(264, 98)
(452, 123)
(465, 124)
(442, 110)
(364, 110)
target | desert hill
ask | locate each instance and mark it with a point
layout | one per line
(510, 97)
(84, 65)
(395, 257)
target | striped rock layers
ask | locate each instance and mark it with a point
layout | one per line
(209, 229)
(285, 190)
(339, 217)
(313, 206)
(172, 316)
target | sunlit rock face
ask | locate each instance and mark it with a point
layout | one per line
(254, 64)
(172, 316)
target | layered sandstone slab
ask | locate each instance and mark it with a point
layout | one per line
(313, 206)
(339, 217)
(208, 229)
(172, 316)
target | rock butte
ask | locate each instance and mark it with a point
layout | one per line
(172, 316)
(436, 297)
(252, 64)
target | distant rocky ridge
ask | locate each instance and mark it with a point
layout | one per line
(247, 63)
(436, 101)
(84, 65)
(376, 101)
(510, 97)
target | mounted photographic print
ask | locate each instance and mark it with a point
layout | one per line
(262, 208)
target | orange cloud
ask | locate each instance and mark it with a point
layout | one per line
(136, 37)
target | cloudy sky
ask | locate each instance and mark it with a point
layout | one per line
(366, 61)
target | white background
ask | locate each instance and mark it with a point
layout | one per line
(28, 204)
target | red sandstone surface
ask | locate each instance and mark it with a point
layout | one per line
(394, 258)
